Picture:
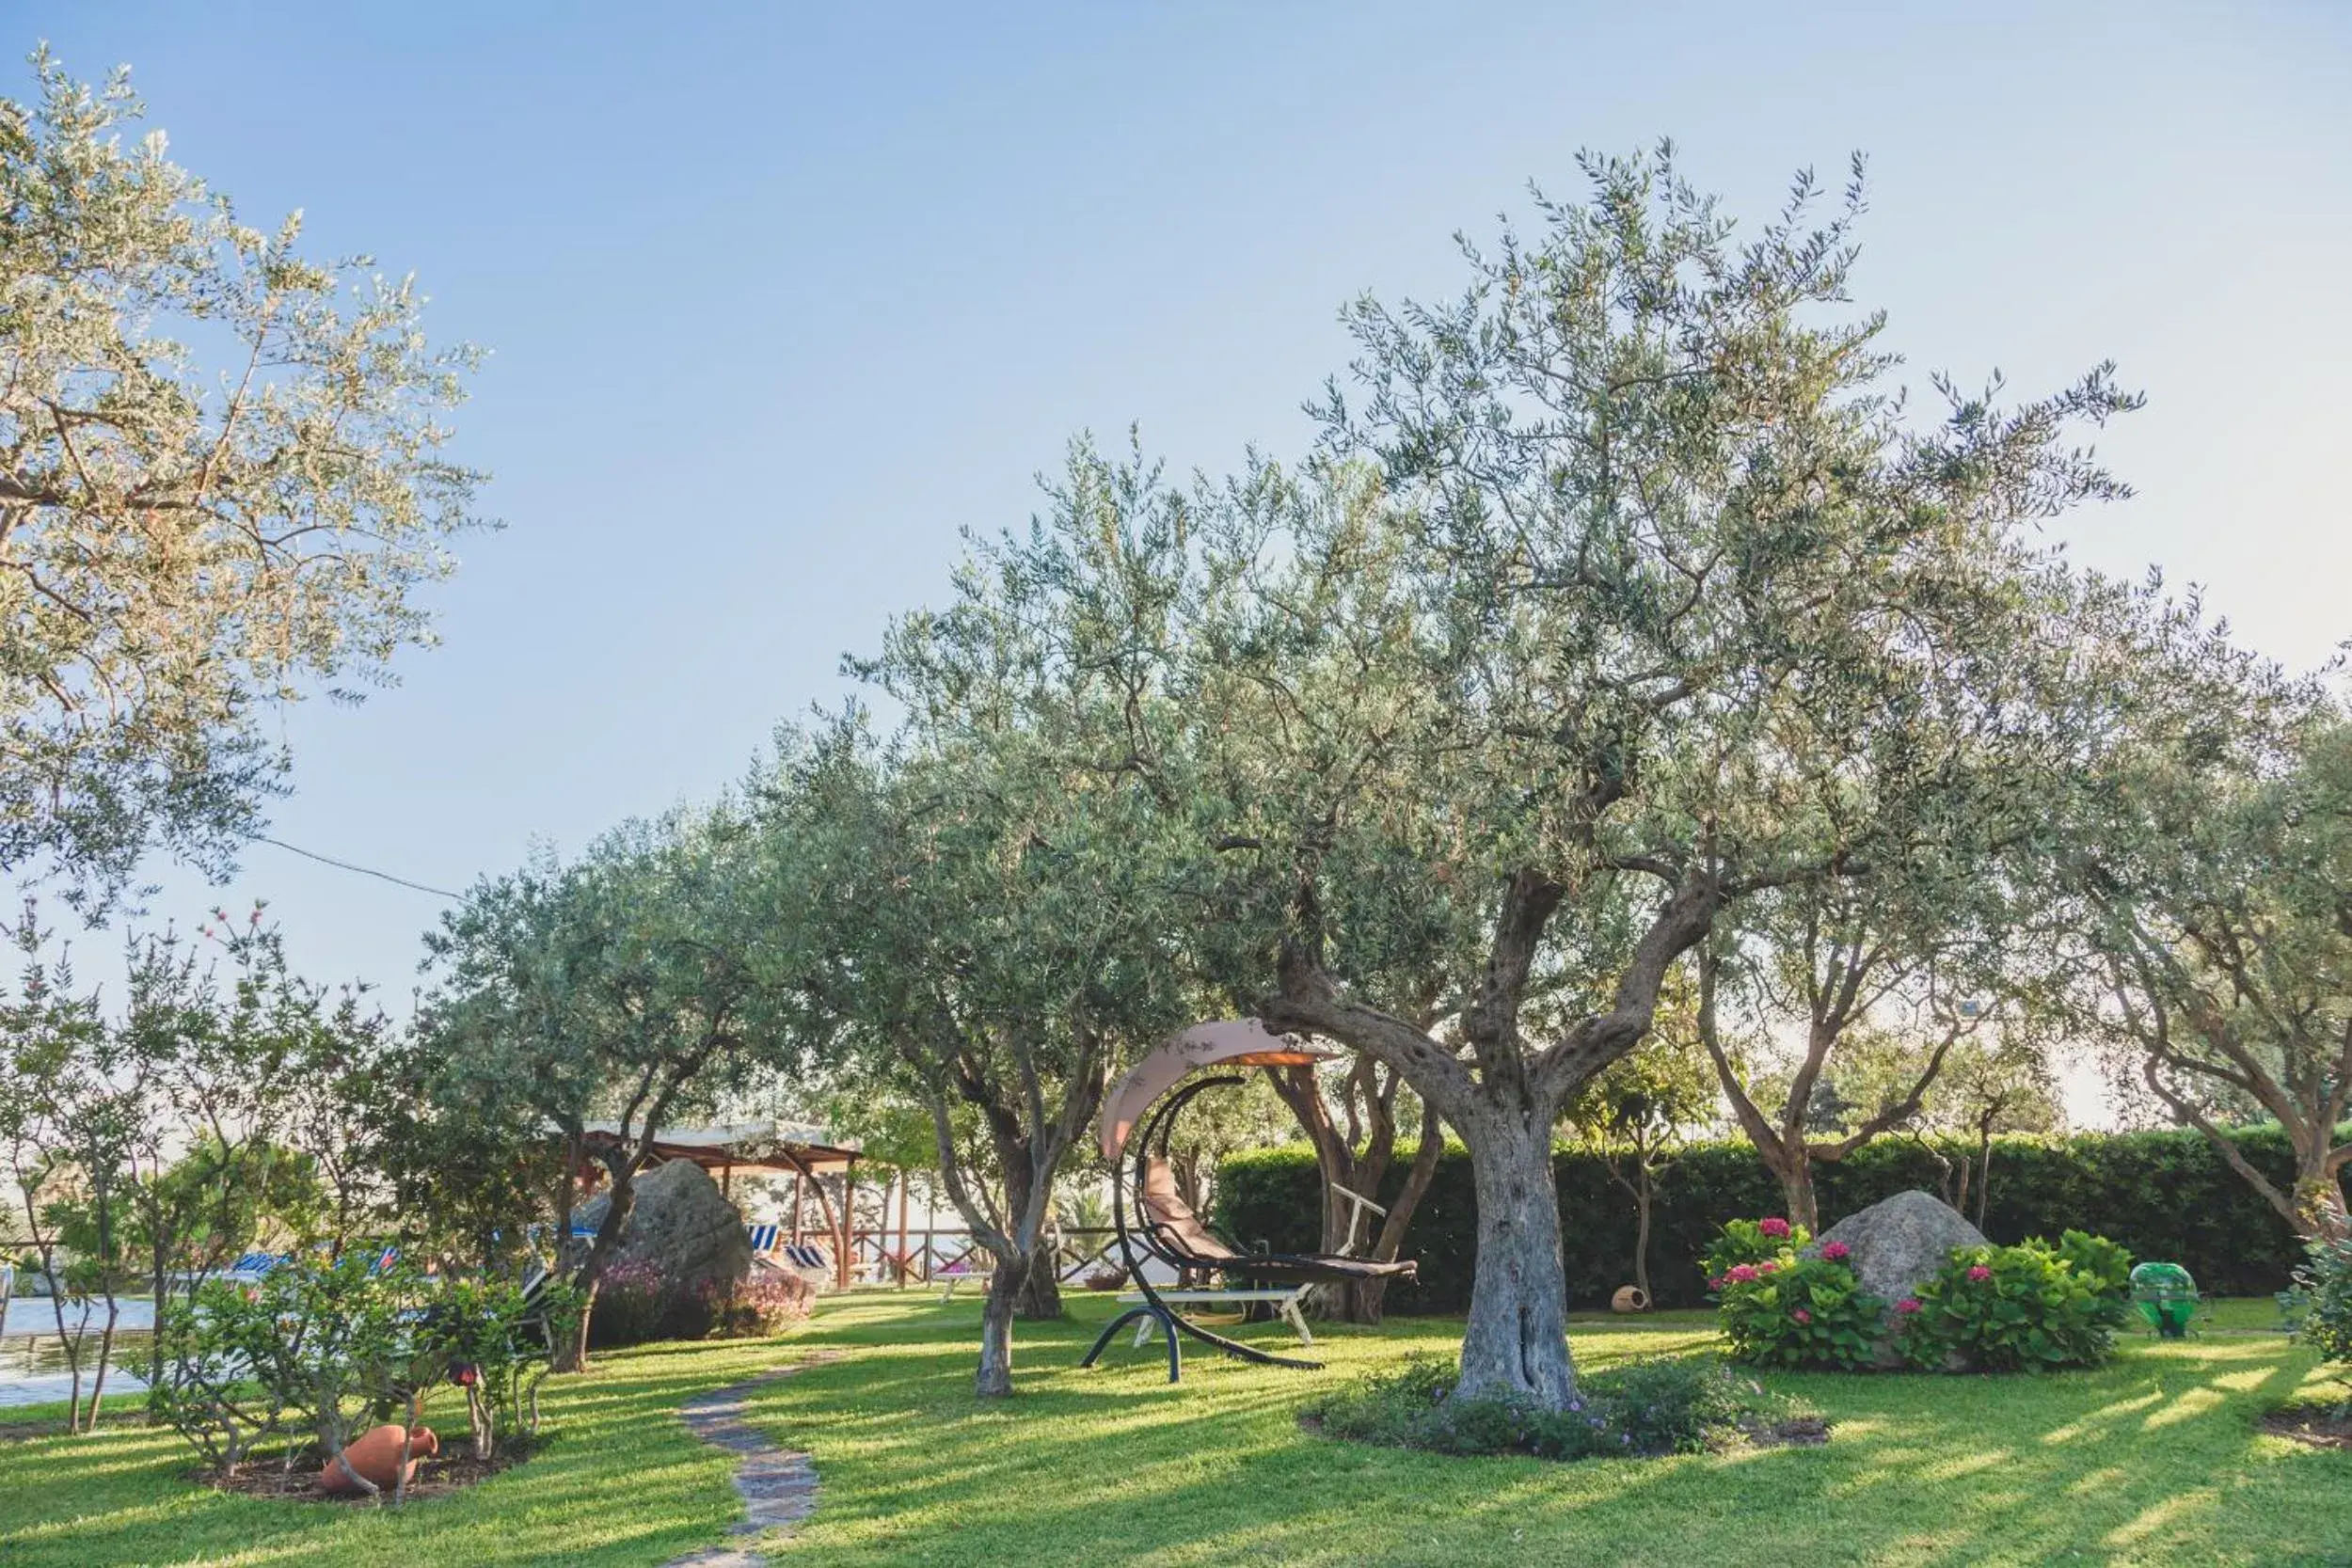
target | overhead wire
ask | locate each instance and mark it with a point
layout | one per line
(362, 870)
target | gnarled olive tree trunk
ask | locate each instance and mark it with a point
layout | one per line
(1504, 1096)
(1515, 1341)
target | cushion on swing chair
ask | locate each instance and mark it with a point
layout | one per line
(1174, 1221)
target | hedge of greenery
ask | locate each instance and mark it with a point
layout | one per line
(2164, 1195)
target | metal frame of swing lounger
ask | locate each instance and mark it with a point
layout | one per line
(1176, 1238)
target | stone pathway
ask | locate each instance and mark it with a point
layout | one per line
(778, 1485)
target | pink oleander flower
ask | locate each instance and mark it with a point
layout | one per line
(1908, 1306)
(1767, 1266)
(1979, 1272)
(1741, 1273)
(1776, 1228)
(1802, 1315)
(1835, 1251)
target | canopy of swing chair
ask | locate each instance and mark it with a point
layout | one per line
(1227, 1042)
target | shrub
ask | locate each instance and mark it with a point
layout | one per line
(765, 1304)
(1799, 1312)
(496, 1343)
(297, 1363)
(1662, 1406)
(2323, 1304)
(637, 1303)
(2158, 1194)
(2107, 1264)
(634, 1303)
(2009, 1308)
(1772, 1240)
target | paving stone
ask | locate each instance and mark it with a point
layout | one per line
(778, 1485)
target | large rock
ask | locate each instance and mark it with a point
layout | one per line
(682, 1224)
(1900, 1242)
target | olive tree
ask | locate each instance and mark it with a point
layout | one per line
(1628, 590)
(2215, 924)
(1875, 979)
(222, 480)
(627, 987)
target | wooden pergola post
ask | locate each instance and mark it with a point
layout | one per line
(849, 1224)
(903, 1180)
(796, 1208)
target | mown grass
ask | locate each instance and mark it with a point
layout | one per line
(2156, 1458)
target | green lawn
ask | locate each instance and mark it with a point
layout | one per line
(2154, 1459)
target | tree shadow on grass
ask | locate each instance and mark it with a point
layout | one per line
(2156, 1456)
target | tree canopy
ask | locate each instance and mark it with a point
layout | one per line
(222, 480)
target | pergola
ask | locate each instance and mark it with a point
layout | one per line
(807, 1152)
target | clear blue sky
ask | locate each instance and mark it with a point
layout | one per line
(779, 298)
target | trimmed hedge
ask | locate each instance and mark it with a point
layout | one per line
(2166, 1194)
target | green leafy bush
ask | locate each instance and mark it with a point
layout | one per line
(2323, 1304)
(1677, 1404)
(294, 1365)
(495, 1343)
(2157, 1194)
(1799, 1312)
(2009, 1308)
(2107, 1264)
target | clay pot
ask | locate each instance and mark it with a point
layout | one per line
(375, 1454)
(1629, 1299)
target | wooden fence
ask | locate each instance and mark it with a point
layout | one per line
(909, 1256)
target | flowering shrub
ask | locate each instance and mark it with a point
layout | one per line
(637, 1303)
(1800, 1312)
(633, 1301)
(767, 1303)
(1752, 1241)
(1661, 1406)
(2009, 1308)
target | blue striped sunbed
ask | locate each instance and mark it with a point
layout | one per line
(763, 1237)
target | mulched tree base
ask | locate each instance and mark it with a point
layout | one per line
(2322, 1426)
(1799, 1432)
(449, 1472)
(1802, 1432)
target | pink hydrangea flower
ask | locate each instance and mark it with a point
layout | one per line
(1802, 1315)
(1835, 1251)
(1908, 1306)
(1767, 1266)
(1741, 1273)
(1776, 1228)
(1979, 1272)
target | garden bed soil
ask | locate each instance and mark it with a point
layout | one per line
(2322, 1426)
(450, 1471)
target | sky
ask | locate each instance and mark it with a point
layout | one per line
(779, 298)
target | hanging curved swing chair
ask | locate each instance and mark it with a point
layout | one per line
(1154, 1222)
